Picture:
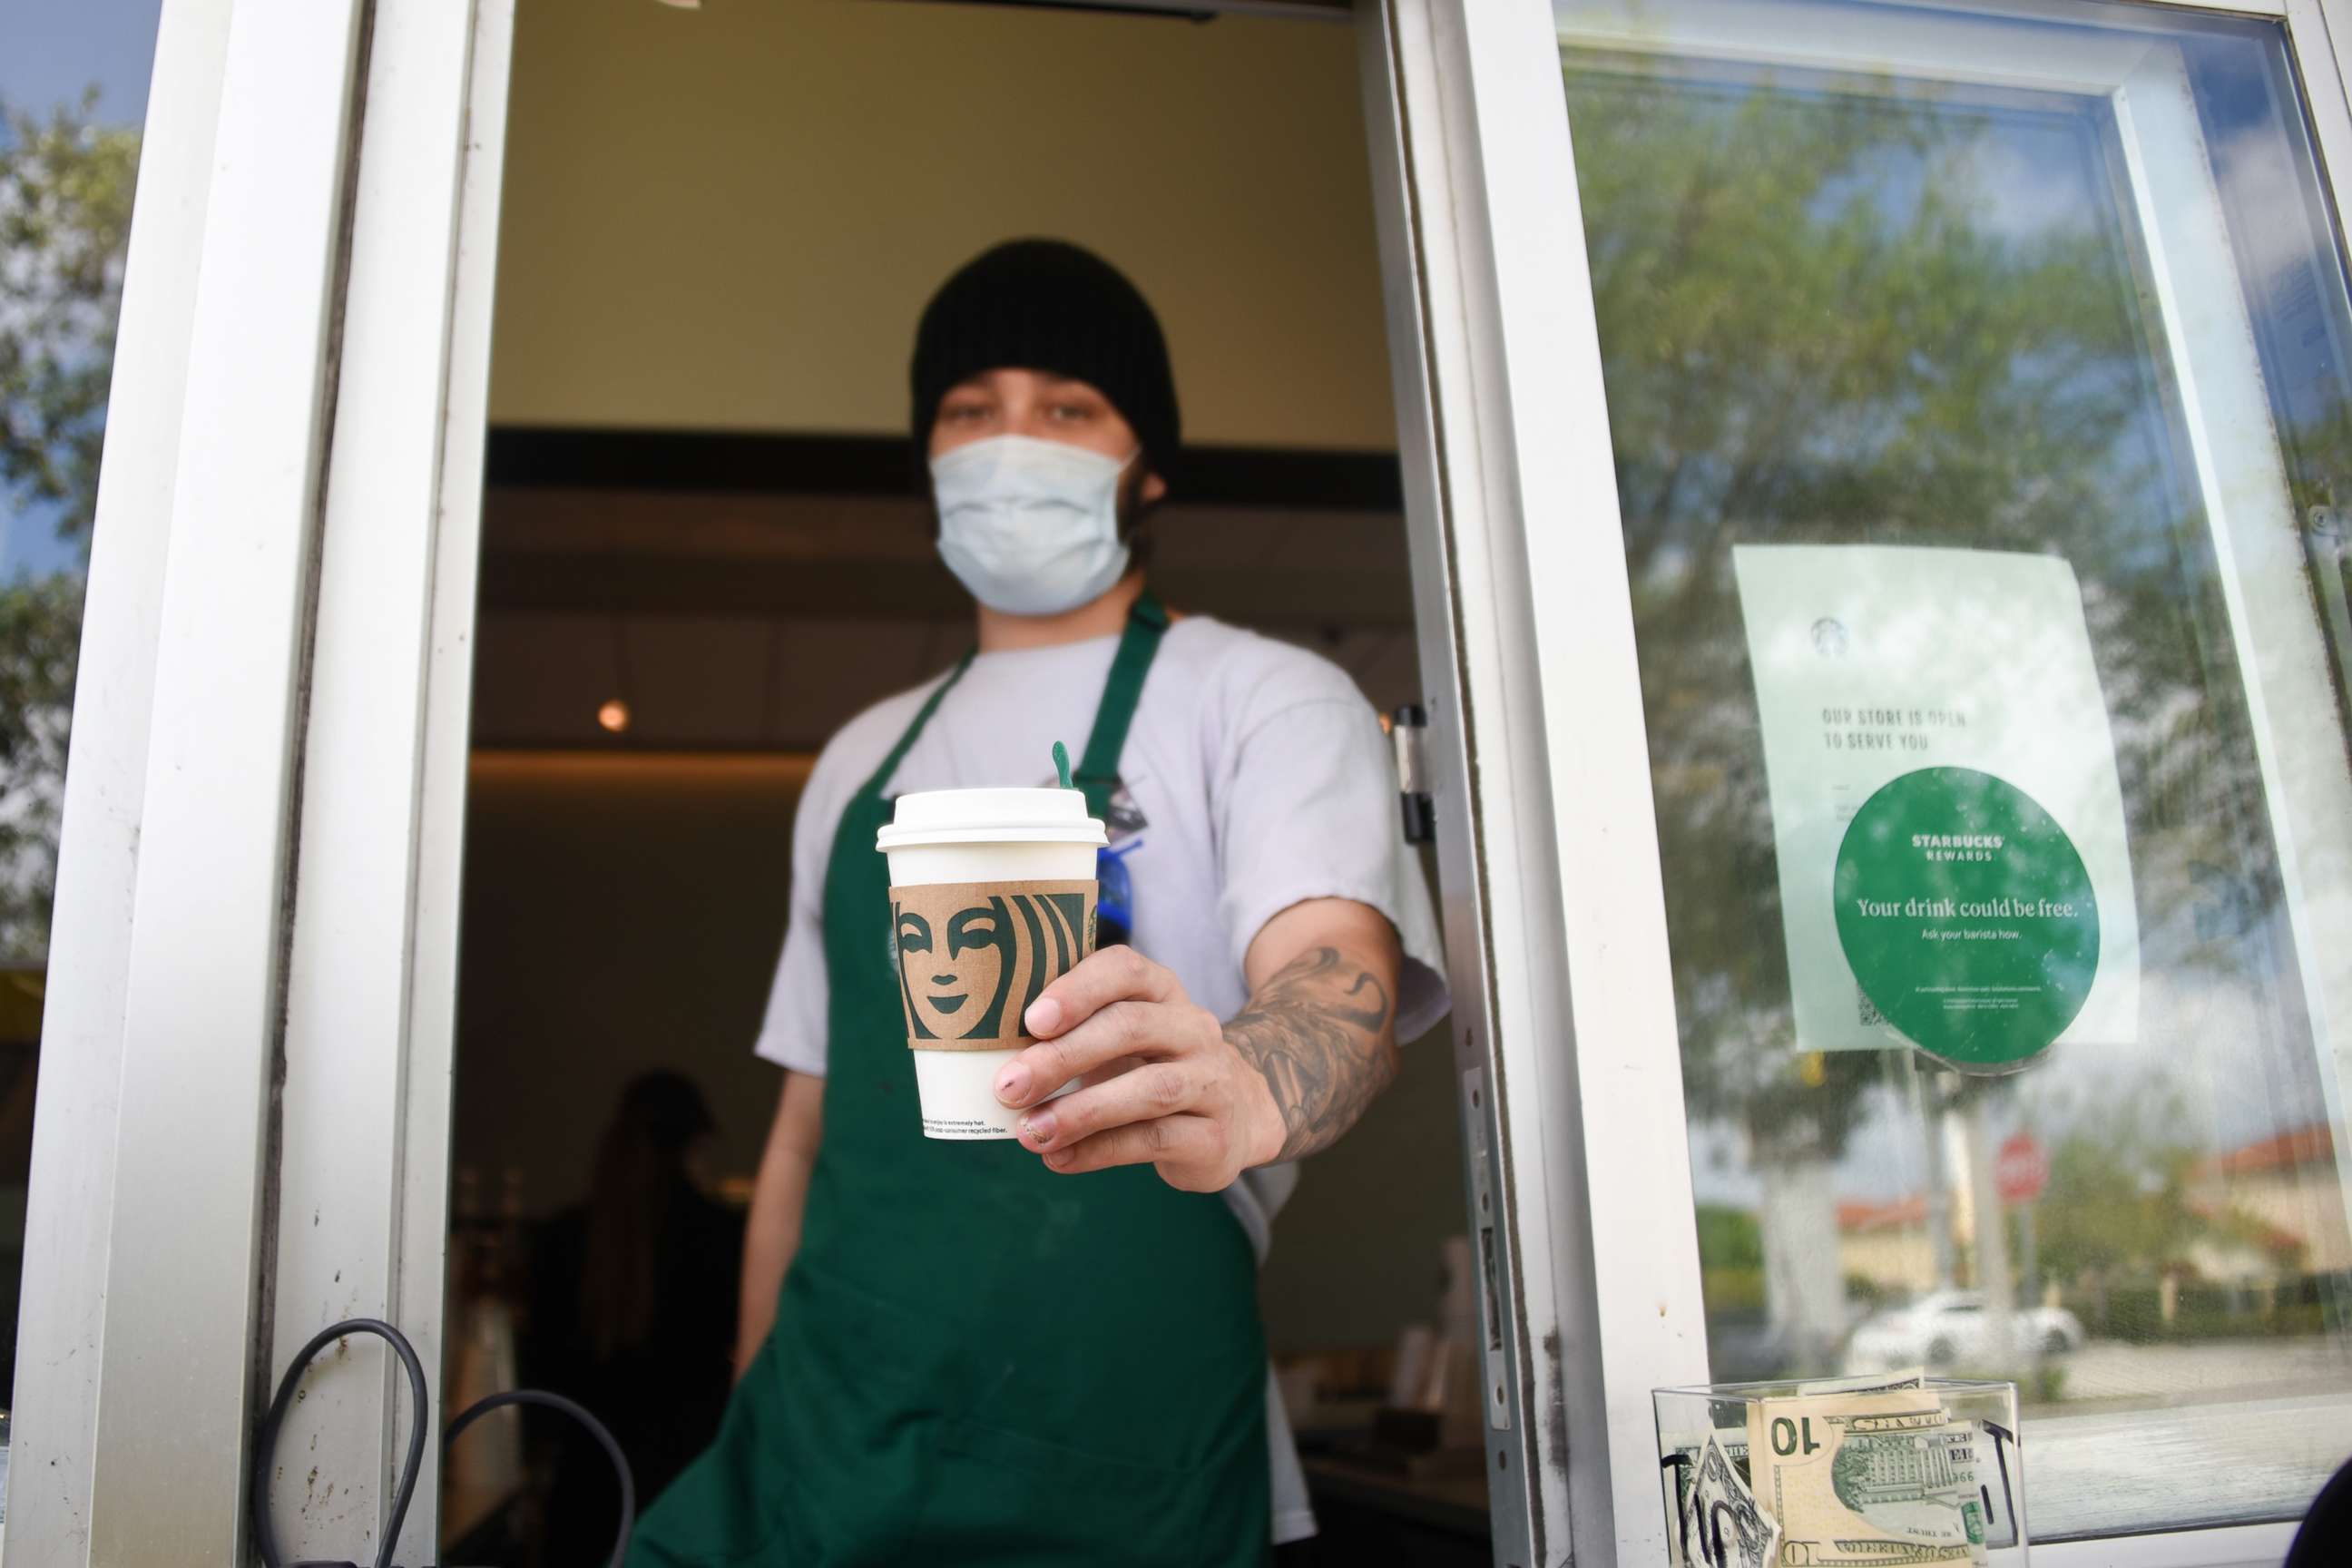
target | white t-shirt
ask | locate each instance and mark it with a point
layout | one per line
(1255, 776)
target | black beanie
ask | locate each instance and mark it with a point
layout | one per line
(1046, 305)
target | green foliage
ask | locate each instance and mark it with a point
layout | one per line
(65, 221)
(40, 631)
(1730, 1238)
(2134, 1312)
(1731, 1292)
(1816, 328)
(2117, 1203)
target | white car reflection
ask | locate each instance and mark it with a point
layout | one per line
(1951, 1328)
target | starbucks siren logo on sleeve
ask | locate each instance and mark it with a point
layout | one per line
(973, 957)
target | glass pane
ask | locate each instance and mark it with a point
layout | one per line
(1980, 418)
(73, 93)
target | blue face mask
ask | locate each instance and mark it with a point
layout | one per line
(1030, 527)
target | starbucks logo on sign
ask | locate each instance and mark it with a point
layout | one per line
(1967, 916)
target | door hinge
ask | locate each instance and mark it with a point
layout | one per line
(1407, 726)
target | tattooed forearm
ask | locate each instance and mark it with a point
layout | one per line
(1320, 1032)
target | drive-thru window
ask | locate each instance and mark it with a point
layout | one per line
(1847, 503)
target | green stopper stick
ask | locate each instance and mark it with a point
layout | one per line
(1062, 763)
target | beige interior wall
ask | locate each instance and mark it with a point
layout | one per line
(730, 217)
(621, 913)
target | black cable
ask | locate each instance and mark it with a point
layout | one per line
(266, 1442)
(482, 1407)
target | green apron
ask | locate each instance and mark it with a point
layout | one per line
(976, 1361)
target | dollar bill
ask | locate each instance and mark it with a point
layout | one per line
(1683, 1449)
(1690, 1446)
(1680, 1457)
(1884, 1479)
(1723, 1527)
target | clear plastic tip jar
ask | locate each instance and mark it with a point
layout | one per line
(1880, 1471)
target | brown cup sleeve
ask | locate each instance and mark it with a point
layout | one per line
(970, 957)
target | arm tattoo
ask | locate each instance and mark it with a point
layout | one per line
(1318, 1031)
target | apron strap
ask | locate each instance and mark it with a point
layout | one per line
(1098, 772)
(922, 717)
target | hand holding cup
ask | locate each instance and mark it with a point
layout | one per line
(1160, 1084)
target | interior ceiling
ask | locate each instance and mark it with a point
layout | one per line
(729, 218)
(762, 622)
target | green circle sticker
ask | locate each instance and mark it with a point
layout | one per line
(1967, 916)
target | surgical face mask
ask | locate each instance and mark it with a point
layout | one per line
(1030, 527)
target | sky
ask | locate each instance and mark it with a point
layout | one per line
(49, 52)
(51, 49)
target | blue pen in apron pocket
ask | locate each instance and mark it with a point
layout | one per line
(1115, 903)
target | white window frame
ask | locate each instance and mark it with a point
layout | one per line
(253, 966)
(1508, 461)
(1487, 278)
(69, 1224)
(1493, 339)
(263, 809)
(149, 1205)
(370, 1023)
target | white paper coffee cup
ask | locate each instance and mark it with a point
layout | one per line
(991, 898)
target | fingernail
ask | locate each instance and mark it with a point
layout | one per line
(1040, 1128)
(1045, 1016)
(1013, 1082)
(1058, 1159)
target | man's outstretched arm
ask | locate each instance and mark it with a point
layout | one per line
(1167, 1085)
(1320, 1025)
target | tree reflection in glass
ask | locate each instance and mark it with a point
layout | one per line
(1846, 312)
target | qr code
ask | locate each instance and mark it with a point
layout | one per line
(1864, 1010)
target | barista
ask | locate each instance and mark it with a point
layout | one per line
(1047, 1351)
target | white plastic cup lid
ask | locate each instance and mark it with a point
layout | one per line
(990, 816)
